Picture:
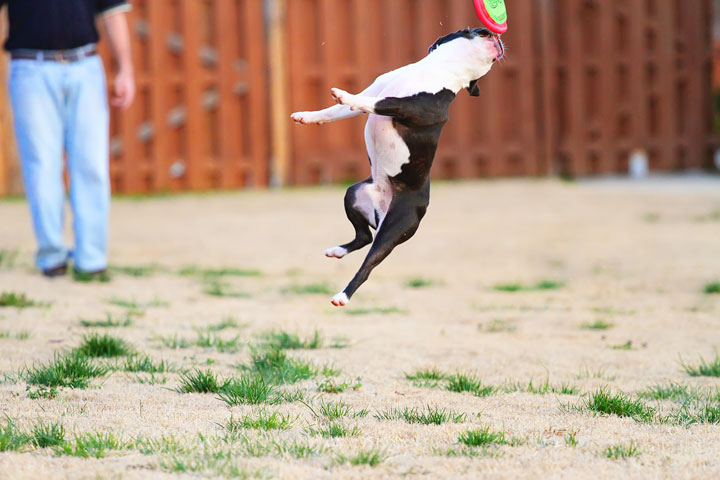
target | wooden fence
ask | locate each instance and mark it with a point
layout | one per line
(584, 83)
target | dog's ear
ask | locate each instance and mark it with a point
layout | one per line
(467, 33)
(473, 89)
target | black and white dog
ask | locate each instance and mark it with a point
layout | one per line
(408, 108)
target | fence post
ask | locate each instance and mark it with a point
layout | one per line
(279, 99)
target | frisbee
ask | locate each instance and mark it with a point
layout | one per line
(493, 14)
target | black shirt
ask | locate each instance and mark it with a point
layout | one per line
(55, 24)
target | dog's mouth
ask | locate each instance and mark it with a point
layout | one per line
(499, 47)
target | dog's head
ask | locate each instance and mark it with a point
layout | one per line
(483, 45)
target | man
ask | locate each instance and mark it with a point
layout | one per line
(59, 99)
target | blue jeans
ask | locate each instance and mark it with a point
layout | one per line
(62, 108)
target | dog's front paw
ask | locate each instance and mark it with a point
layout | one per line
(336, 252)
(340, 300)
(340, 96)
(305, 118)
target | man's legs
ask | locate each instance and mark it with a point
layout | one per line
(36, 95)
(87, 145)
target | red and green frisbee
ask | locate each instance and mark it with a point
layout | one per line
(493, 14)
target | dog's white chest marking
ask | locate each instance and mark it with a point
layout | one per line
(388, 151)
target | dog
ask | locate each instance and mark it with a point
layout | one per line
(407, 108)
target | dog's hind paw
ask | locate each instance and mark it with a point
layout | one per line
(336, 252)
(340, 300)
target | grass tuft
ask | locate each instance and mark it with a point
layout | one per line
(17, 300)
(199, 381)
(419, 282)
(465, 383)
(598, 324)
(482, 437)
(621, 451)
(262, 421)
(308, 289)
(371, 458)
(104, 346)
(274, 366)
(433, 415)
(373, 311)
(71, 370)
(110, 321)
(48, 435)
(329, 385)
(427, 374)
(278, 339)
(143, 363)
(249, 390)
(704, 369)
(539, 286)
(12, 439)
(95, 445)
(605, 403)
(712, 288)
(217, 288)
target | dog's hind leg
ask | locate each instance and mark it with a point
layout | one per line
(399, 225)
(359, 210)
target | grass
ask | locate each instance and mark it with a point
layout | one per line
(621, 451)
(47, 434)
(603, 402)
(17, 300)
(93, 445)
(262, 421)
(88, 277)
(336, 430)
(329, 385)
(199, 381)
(712, 288)
(373, 311)
(466, 383)
(278, 339)
(432, 415)
(419, 282)
(308, 289)
(143, 363)
(426, 374)
(219, 272)
(210, 339)
(217, 288)
(677, 392)
(136, 270)
(21, 335)
(498, 325)
(71, 370)
(110, 321)
(7, 259)
(598, 324)
(372, 458)
(704, 368)
(519, 287)
(225, 323)
(482, 437)
(274, 366)
(174, 342)
(12, 439)
(335, 410)
(134, 307)
(702, 411)
(103, 346)
(249, 390)
(543, 388)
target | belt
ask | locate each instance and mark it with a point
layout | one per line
(60, 56)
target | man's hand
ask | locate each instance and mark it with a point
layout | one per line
(123, 90)
(124, 85)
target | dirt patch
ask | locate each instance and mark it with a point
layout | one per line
(632, 263)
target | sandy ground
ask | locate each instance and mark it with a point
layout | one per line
(635, 255)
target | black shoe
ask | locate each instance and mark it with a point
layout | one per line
(95, 275)
(54, 272)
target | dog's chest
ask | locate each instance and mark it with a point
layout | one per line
(388, 151)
